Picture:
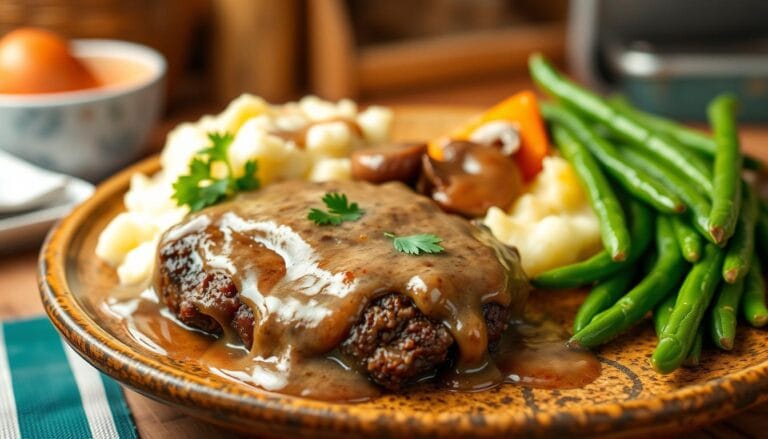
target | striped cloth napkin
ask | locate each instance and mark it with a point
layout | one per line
(48, 391)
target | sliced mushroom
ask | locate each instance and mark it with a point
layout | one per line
(498, 132)
(400, 162)
(471, 178)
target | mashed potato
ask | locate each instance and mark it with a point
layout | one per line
(552, 223)
(129, 242)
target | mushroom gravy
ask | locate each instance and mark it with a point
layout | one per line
(307, 285)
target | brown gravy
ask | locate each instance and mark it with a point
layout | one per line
(307, 285)
(299, 137)
(532, 353)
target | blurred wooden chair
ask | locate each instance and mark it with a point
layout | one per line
(341, 67)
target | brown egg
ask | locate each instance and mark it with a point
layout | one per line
(38, 61)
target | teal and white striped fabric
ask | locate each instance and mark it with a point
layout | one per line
(48, 391)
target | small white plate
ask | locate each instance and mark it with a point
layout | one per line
(27, 228)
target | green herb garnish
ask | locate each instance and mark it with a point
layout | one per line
(339, 210)
(199, 188)
(416, 244)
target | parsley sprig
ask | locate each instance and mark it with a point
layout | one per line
(416, 244)
(199, 188)
(339, 210)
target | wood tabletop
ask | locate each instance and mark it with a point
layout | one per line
(19, 298)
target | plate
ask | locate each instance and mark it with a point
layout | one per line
(22, 229)
(628, 397)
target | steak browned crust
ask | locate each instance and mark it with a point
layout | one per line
(393, 341)
(397, 344)
(197, 296)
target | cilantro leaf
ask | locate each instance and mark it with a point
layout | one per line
(339, 205)
(323, 218)
(339, 210)
(187, 188)
(416, 244)
(219, 149)
(249, 181)
(199, 188)
(211, 194)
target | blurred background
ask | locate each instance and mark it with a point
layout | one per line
(669, 57)
(217, 49)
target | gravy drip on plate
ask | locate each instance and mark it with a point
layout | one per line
(532, 352)
(307, 285)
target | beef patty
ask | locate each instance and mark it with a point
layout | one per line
(258, 270)
(393, 341)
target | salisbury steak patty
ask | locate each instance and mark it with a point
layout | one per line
(199, 298)
(257, 269)
(393, 340)
(395, 343)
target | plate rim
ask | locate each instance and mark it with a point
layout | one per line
(685, 407)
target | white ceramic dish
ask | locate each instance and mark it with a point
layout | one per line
(26, 228)
(87, 133)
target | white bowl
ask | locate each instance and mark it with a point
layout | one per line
(88, 133)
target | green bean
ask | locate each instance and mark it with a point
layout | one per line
(603, 295)
(688, 239)
(693, 139)
(723, 316)
(633, 179)
(621, 124)
(741, 247)
(613, 227)
(630, 309)
(690, 138)
(662, 312)
(661, 317)
(753, 303)
(694, 356)
(698, 204)
(649, 260)
(692, 302)
(726, 196)
(600, 266)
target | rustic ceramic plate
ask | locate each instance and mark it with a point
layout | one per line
(627, 398)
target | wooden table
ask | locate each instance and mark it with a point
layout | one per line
(19, 295)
